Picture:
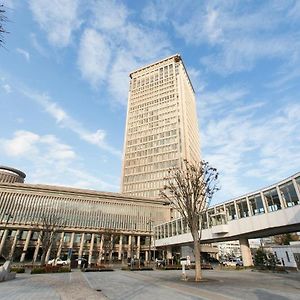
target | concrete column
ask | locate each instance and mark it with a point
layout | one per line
(101, 248)
(72, 240)
(26, 245)
(169, 252)
(296, 188)
(91, 249)
(37, 247)
(282, 202)
(249, 208)
(111, 247)
(80, 251)
(246, 252)
(138, 249)
(264, 202)
(13, 247)
(81, 246)
(146, 256)
(120, 247)
(236, 210)
(48, 253)
(129, 246)
(60, 245)
(4, 237)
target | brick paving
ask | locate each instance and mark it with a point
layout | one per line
(153, 285)
(62, 286)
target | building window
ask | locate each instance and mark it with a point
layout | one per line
(272, 199)
(231, 213)
(289, 194)
(242, 208)
(256, 205)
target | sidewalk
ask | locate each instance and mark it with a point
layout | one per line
(63, 286)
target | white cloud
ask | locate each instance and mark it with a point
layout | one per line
(63, 119)
(94, 56)
(49, 161)
(115, 45)
(108, 15)
(214, 103)
(24, 53)
(252, 142)
(38, 47)
(22, 144)
(58, 18)
(7, 88)
(118, 78)
(238, 36)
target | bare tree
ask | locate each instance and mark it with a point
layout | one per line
(108, 244)
(3, 19)
(189, 191)
(50, 227)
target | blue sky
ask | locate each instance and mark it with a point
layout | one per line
(64, 84)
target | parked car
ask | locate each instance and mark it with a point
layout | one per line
(232, 263)
(57, 262)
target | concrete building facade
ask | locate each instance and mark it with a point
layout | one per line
(161, 127)
(97, 226)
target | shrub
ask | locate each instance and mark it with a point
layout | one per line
(50, 269)
(18, 269)
(64, 269)
(38, 270)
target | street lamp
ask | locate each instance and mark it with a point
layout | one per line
(150, 227)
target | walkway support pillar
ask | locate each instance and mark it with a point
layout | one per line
(246, 252)
(169, 254)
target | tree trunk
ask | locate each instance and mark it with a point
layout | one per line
(197, 253)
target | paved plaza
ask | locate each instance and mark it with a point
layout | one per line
(153, 285)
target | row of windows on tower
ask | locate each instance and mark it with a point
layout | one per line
(135, 132)
(154, 76)
(152, 167)
(151, 159)
(161, 116)
(157, 143)
(153, 137)
(158, 124)
(147, 96)
(152, 151)
(152, 87)
(152, 98)
(151, 106)
(158, 175)
(159, 184)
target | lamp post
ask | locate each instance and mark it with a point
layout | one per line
(150, 229)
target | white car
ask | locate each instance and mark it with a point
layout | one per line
(233, 263)
(57, 262)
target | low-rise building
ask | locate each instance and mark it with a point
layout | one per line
(94, 225)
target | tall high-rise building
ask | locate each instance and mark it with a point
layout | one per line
(161, 128)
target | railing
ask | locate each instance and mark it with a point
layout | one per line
(282, 195)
